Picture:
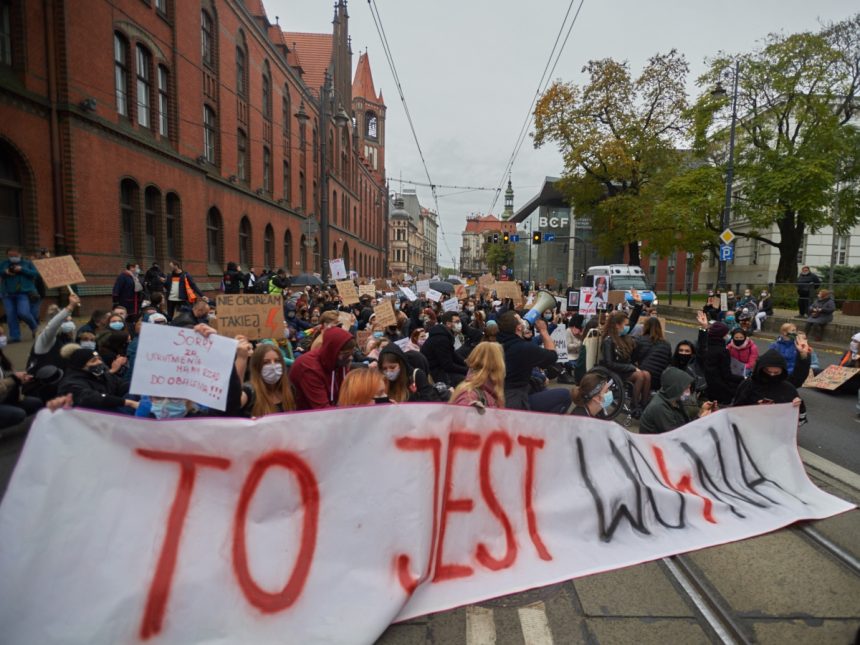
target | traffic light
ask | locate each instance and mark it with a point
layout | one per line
(506, 237)
(537, 238)
(495, 238)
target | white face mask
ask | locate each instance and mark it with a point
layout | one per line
(88, 344)
(392, 374)
(68, 327)
(458, 327)
(272, 373)
(3, 341)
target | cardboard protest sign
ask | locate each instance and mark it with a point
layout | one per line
(59, 272)
(423, 286)
(451, 304)
(434, 295)
(345, 319)
(338, 269)
(385, 316)
(509, 290)
(460, 291)
(486, 280)
(180, 363)
(616, 297)
(831, 378)
(366, 290)
(559, 337)
(255, 315)
(117, 529)
(347, 291)
(381, 285)
(587, 304)
(409, 294)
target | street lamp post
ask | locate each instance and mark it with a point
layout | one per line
(730, 166)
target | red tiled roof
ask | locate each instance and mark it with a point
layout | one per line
(315, 53)
(362, 85)
(482, 224)
(255, 7)
(276, 35)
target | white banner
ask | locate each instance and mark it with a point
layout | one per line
(117, 530)
(180, 363)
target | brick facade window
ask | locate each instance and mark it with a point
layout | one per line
(6, 33)
(243, 170)
(172, 226)
(303, 193)
(151, 217)
(245, 242)
(288, 253)
(286, 116)
(267, 92)
(333, 213)
(287, 181)
(144, 86)
(129, 214)
(214, 241)
(267, 170)
(303, 253)
(241, 72)
(210, 134)
(161, 7)
(163, 102)
(207, 39)
(11, 199)
(120, 59)
(269, 247)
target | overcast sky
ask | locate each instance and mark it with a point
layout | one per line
(469, 70)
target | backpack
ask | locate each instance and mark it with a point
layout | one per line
(262, 283)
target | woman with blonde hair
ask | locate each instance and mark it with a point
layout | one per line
(362, 387)
(327, 320)
(271, 391)
(484, 385)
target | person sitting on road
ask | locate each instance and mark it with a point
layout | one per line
(685, 359)
(318, 374)
(363, 386)
(653, 353)
(617, 354)
(769, 384)
(743, 352)
(716, 361)
(268, 387)
(667, 409)
(484, 385)
(592, 396)
(91, 385)
(796, 352)
(403, 381)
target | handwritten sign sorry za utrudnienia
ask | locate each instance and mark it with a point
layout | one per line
(180, 363)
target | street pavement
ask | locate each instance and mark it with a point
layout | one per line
(778, 588)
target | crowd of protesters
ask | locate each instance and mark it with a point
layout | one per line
(333, 354)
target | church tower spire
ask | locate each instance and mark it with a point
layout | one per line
(509, 202)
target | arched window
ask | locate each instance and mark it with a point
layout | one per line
(267, 170)
(303, 192)
(288, 253)
(303, 253)
(214, 242)
(243, 161)
(371, 130)
(163, 101)
(144, 86)
(286, 115)
(267, 91)
(129, 207)
(245, 257)
(241, 66)
(120, 64)
(269, 247)
(334, 254)
(151, 218)
(287, 181)
(210, 134)
(207, 39)
(11, 199)
(345, 253)
(172, 226)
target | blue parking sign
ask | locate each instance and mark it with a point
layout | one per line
(515, 238)
(727, 252)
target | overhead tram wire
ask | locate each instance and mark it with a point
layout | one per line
(418, 183)
(543, 83)
(380, 30)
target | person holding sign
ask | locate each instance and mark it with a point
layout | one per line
(18, 286)
(269, 389)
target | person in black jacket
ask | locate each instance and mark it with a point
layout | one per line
(403, 381)
(653, 353)
(616, 353)
(521, 358)
(446, 366)
(233, 279)
(717, 362)
(807, 284)
(769, 384)
(91, 385)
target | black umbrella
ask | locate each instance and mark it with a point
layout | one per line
(442, 287)
(453, 281)
(305, 280)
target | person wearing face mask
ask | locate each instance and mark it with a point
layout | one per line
(796, 352)
(769, 384)
(15, 406)
(128, 289)
(592, 396)
(746, 300)
(404, 382)
(318, 374)
(364, 386)
(716, 361)
(684, 359)
(59, 331)
(666, 410)
(270, 389)
(446, 365)
(18, 286)
(743, 352)
(92, 386)
(617, 353)
(765, 309)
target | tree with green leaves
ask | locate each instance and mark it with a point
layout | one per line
(797, 151)
(619, 137)
(496, 254)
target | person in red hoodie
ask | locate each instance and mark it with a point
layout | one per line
(318, 374)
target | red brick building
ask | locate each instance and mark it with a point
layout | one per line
(149, 129)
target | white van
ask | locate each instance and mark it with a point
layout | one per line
(620, 277)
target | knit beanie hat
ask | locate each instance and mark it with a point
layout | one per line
(81, 357)
(718, 330)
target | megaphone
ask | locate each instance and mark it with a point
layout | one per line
(544, 301)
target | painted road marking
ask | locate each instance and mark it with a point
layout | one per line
(535, 625)
(480, 628)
